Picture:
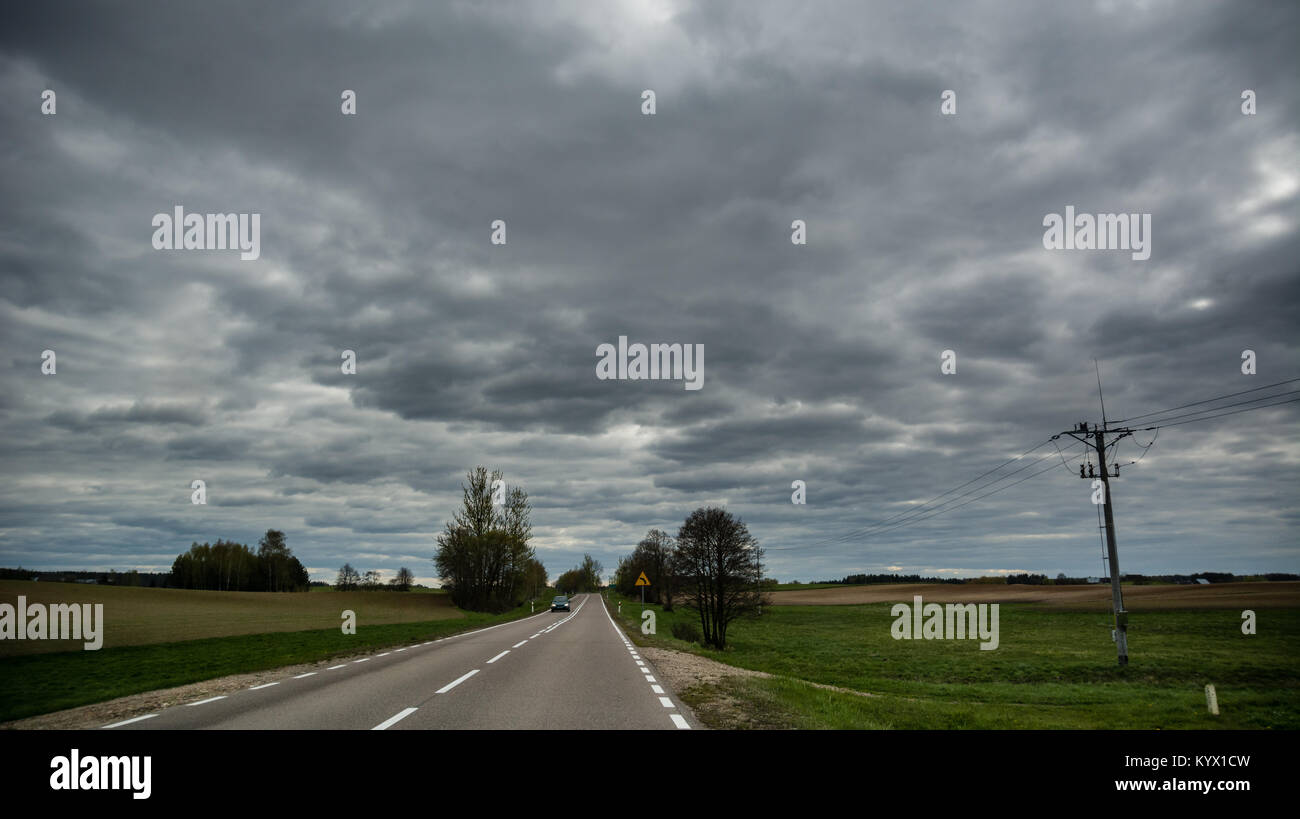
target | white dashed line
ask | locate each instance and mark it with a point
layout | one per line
(264, 685)
(308, 674)
(398, 717)
(658, 689)
(129, 721)
(518, 644)
(399, 649)
(499, 656)
(638, 662)
(680, 721)
(666, 703)
(336, 667)
(649, 679)
(202, 702)
(385, 654)
(362, 660)
(456, 682)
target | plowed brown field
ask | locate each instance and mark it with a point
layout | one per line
(1085, 598)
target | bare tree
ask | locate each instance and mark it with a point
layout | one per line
(348, 578)
(403, 581)
(659, 554)
(718, 561)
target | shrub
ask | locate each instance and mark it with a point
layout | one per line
(686, 630)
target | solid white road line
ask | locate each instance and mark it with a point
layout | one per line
(264, 685)
(209, 699)
(399, 716)
(518, 644)
(308, 674)
(129, 721)
(455, 682)
(680, 721)
(665, 702)
(499, 656)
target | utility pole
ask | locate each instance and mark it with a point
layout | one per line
(1095, 438)
(1117, 597)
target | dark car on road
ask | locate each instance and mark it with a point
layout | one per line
(560, 603)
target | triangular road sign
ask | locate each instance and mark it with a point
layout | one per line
(642, 581)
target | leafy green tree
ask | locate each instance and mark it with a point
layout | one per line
(483, 554)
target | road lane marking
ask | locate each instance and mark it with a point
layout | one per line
(264, 685)
(129, 721)
(385, 654)
(362, 660)
(455, 682)
(649, 679)
(666, 703)
(202, 702)
(335, 667)
(400, 715)
(499, 656)
(308, 674)
(680, 721)
(657, 689)
(518, 644)
(399, 649)
(638, 662)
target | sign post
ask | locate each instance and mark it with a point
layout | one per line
(642, 581)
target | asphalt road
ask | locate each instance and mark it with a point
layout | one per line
(549, 671)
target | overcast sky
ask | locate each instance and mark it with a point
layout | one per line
(822, 361)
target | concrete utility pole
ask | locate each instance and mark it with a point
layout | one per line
(1095, 438)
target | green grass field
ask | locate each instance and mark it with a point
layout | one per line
(166, 637)
(138, 616)
(1052, 669)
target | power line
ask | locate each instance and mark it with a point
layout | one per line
(921, 513)
(1234, 412)
(928, 510)
(1161, 421)
(914, 510)
(1206, 401)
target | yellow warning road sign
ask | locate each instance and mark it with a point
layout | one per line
(642, 581)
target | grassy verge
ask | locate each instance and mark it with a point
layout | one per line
(1052, 669)
(40, 683)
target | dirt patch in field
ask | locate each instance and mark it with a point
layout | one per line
(1085, 598)
(709, 687)
(703, 684)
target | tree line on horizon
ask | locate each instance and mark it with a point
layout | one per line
(349, 579)
(585, 577)
(229, 566)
